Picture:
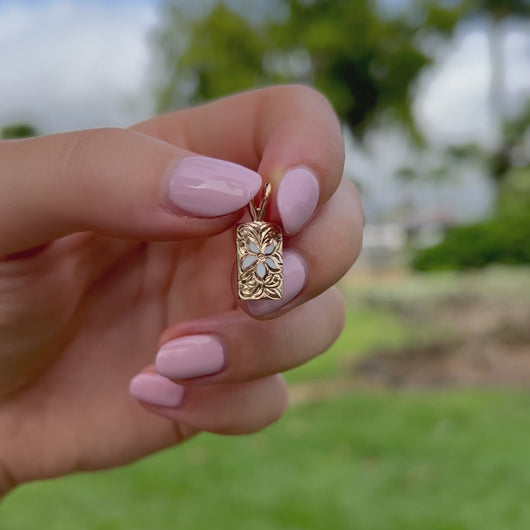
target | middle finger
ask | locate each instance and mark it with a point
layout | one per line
(232, 347)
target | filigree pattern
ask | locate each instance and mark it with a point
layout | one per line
(259, 261)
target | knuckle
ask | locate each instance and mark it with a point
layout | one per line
(356, 199)
(304, 97)
(298, 91)
(350, 233)
(331, 325)
(271, 394)
(347, 240)
(281, 401)
(306, 94)
(80, 148)
(335, 156)
(331, 160)
(337, 312)
(326, 153)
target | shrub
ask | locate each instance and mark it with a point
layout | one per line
(504, 239)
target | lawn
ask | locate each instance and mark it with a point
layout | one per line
(361, 459)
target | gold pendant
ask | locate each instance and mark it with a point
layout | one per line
(259, 256)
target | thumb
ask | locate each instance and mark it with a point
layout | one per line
(117, 182)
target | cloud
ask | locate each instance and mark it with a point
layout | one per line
(453, 104)
(67, 64)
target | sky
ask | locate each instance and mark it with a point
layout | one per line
(452, 104)
(70, 64)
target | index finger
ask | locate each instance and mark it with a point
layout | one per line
(290, 134)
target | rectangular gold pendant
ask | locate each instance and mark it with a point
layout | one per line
(259, 261)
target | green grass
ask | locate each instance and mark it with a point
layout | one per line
(425, 461)
(366, 460)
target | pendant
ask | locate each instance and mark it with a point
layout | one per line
(259, 256)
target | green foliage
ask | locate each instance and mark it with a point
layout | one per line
(504, 239)
(440, 14)
(499, 9)
(514, 192)
(363, 61)
(364, 57)
(17, 130)
(204, 58)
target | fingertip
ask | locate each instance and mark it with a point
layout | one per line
(202, 186)
(294, 280)
(297, 198)
(153, 389)
(301, 131)
(191, 356)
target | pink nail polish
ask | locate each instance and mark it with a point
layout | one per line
(297, 198)
(294, 278)
(191, 356)
(208, 187)
(156, 390)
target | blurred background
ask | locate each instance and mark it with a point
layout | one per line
(419, 416)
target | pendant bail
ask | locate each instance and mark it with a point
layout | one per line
(258, 212)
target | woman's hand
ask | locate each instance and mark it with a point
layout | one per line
(117, 242)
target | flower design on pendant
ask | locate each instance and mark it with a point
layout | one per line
(260, 258)
(260, 275)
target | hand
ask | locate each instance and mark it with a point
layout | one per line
(116, 241)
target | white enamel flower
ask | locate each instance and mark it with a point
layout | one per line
(259, 256)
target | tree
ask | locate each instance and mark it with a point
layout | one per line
(363, 58)
(207, 57)
(363, 61)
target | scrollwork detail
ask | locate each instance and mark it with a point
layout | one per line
(259, 261)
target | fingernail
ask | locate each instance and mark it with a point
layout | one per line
(190, 356)
(294, 278)
(208, 187)
(156, 390)
(297, 198)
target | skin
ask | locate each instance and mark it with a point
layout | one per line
(96, 273)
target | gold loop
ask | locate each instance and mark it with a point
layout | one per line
(258, 212)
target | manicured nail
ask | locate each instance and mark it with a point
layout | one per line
(156, 390)
(294, 278)
(190, 356)
(297, 198)
(208, 187)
